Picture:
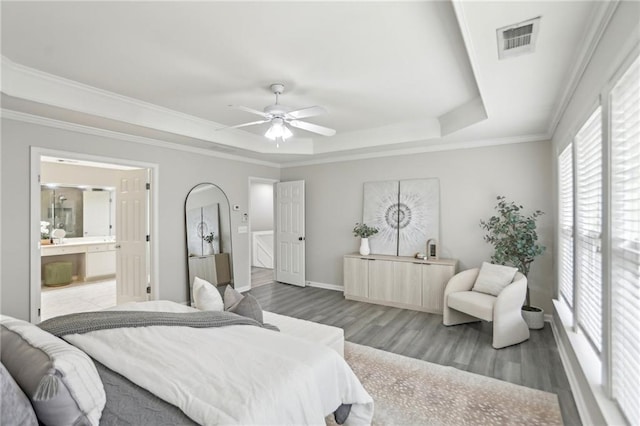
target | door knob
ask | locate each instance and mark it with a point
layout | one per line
(300, 238)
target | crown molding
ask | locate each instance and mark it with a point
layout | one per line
(94, 131)
(598, 24)
(33, 85)
(458, 9)
(444, 146)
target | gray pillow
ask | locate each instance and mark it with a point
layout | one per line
(16, 408)
(248, 307)
(60, 380)
(231, 298)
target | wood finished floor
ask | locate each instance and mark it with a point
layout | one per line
(534, 363)
(261, 276)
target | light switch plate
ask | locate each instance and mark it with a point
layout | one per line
(242, 229)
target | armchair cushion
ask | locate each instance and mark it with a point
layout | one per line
(492, 279)
(479, 305)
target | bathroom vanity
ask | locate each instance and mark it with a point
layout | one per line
(91, 259)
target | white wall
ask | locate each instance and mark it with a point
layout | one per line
(73, 175)
(178, 173)
(619, 39)
(470, 181)
(261, 212)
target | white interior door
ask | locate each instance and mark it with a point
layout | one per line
(132, 229)
(290, 239)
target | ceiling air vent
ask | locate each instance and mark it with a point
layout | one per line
(518, 39)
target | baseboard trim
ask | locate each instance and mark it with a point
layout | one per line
(325, 286)
(243, 289)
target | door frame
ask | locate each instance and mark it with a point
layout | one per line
(34, 213)
(253, 179)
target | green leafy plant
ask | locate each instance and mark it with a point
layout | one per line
(513, 236)
(362, 230)
(209, 237)
(44, 230)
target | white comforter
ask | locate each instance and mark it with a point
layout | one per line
(231, 375)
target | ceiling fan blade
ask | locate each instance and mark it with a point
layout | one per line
(306, 112)
(251, 110)
(243, 125)
(312, 127)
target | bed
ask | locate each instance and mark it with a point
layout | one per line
(160, 368)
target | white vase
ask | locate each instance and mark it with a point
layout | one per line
(208, 249)
(364, 246)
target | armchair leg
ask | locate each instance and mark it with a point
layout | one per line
(509, 329)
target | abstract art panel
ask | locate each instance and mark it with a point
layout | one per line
(406, 213)
(419, 215)
(202, 221)
(380, 211)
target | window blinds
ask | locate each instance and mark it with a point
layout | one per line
(625, 242)
(565, 214)
(588, 228)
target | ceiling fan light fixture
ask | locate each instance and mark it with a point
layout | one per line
(278, 130)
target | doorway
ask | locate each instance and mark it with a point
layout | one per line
(261, 231)
(76, 261)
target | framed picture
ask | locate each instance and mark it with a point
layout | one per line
(406, 213)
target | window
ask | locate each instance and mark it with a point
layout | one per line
(565, 171)
(625, 242)
(585, 272)
(588, 260)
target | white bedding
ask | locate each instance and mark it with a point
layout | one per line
(231, 375)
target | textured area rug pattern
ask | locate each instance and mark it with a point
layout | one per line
(408, 391)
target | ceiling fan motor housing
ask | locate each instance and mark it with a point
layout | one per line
(277, 88)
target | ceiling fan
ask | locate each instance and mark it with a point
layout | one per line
(279, 116)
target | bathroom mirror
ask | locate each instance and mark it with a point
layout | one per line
(79, 211)
(208, 232)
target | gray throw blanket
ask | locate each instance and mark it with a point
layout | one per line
(91, 321)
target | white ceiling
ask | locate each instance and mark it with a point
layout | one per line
(392, 75)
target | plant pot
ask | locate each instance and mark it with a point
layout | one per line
(45, 242)
(533, 316)
(364, 247)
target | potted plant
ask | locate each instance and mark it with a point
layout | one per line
(515, 240)
(364, 232)
(45, 238)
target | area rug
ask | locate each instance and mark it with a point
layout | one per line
(408, 391)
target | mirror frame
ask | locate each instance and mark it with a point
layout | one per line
(228, 244)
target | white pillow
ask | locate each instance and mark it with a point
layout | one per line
(60, 380)
(492, 279)
(206, 296)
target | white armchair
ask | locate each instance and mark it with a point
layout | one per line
(462, 305)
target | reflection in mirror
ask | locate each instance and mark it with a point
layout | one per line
(80, 212)
(208, 232)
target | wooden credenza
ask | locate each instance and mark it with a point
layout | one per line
(215, 268)
(403, 282)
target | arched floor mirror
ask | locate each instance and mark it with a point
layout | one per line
(208, 232)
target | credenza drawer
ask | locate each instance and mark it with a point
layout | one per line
(57, 250)
(93, 248)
